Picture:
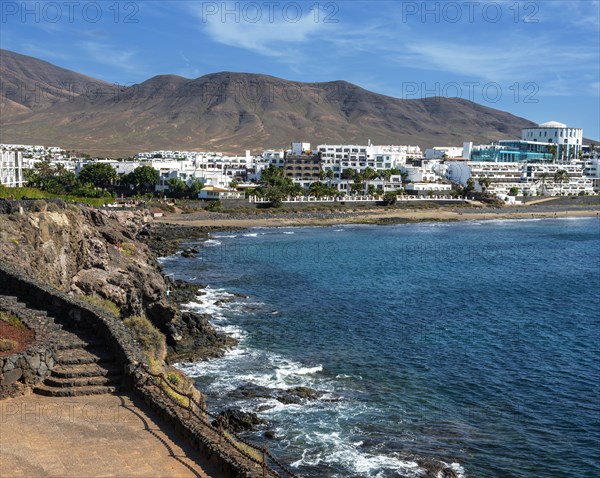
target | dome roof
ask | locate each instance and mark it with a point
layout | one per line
(553, 124)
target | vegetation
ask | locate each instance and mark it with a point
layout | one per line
(390, 197)
(215, 206)
(561, 176)
(7, 345)
(142, 179)
(513, 191)
(55, 181)
(275, 187)
(105, 304)
(11, 319)
(151, 339)
(101, 175)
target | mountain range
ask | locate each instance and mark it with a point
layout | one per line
(44, 104)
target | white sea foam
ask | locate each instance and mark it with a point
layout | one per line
(457, 468)
(224, 236)
(211, 243)
(289, 232)
(251, 234)
(330, 448)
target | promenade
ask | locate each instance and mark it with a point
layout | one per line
(92, 436)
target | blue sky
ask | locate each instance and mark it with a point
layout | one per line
(536, 59)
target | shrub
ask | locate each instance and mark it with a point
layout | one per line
(214, 206)
(7, 345)
(106, 304)
(173, 378)
(151, 339)
(11, 319)
(127, 248)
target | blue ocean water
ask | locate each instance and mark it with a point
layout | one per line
(471, 344)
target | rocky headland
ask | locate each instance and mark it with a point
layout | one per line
(109, 258)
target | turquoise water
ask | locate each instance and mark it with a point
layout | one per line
(474, 344)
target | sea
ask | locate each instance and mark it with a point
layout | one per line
(470, 346)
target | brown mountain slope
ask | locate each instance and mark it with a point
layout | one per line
(29, 84)
(236, 111)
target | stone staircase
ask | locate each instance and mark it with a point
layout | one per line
(83, 362)
(83, 367)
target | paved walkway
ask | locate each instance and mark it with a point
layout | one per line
(96, 436)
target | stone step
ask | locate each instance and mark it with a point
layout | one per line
(74, 391)
(69, 340)
(84, 370)
(60, 382)
(80, 356)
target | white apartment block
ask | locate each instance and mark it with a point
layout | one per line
(11, 169)
(439, 152)
(337, 157)
(529, 178)
(568, 140)
(591, 169)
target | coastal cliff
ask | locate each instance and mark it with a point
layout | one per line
(96, 254)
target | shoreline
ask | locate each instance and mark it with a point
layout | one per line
(226, 222)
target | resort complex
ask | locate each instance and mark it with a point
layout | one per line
(548, 160)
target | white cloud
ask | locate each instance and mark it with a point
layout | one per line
(111, 55)
(516, 60)
(269, 33)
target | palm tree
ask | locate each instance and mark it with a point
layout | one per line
(543, 178)
(484, 183)
(560, 177)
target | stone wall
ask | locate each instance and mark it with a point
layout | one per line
(24, 370)
(127, 353)
(76, 313)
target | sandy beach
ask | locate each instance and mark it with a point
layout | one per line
(376, 216)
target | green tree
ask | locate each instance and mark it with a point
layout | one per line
(369, 173)
(101, 175)
(553, 150)
(470, 187)
(177, 187)
(144, 178)
(484, 183)
(318, 189)
(385, 174)
(348, 173)
(275, 195)
(543, 178)
(561, 176)
(390, 197)
(194, 188)
(513, 191)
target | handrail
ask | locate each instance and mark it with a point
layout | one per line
(222, 426)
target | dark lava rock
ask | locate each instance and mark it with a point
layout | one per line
(238, 421)
(191, 337)
(286, 396)
(270, 434)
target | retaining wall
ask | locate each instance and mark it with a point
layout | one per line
(127, 353)
(26, 369)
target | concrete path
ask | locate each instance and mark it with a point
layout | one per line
(95, 436)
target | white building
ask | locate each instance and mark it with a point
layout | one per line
(214, 193)
(11, 169)
(337, 157)
(439, 152)
(528, 178)
(568, 140)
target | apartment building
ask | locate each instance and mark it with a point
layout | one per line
(11, 169)
(337, 157)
